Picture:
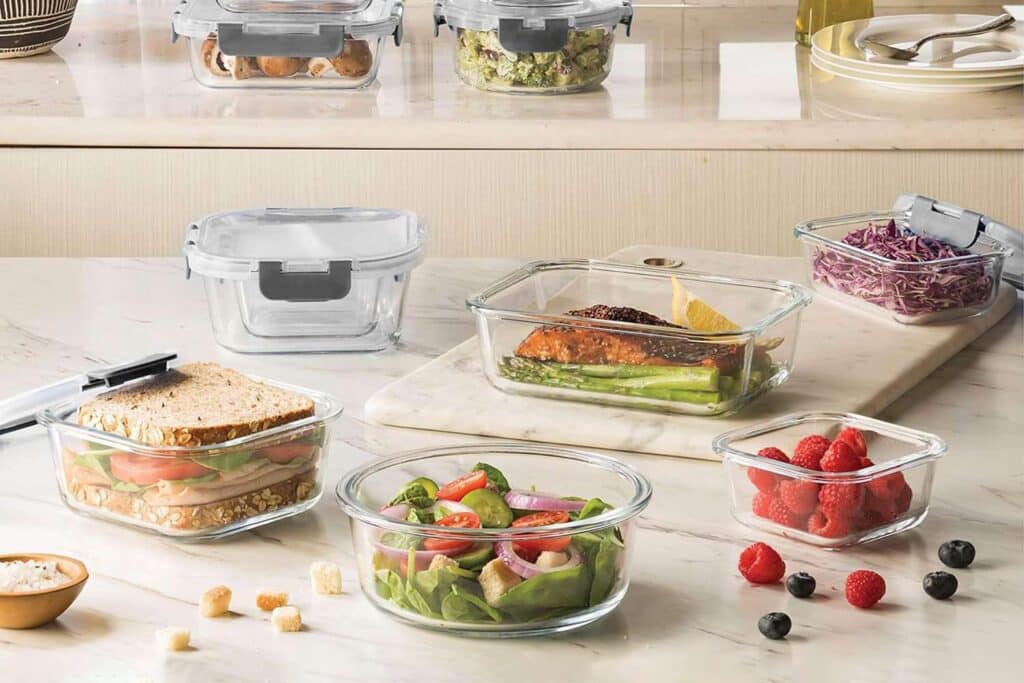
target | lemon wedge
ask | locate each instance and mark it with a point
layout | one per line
(695, 313)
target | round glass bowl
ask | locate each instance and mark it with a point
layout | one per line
(450, 598)
(830, 509)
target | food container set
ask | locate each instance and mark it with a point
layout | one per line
(533, 46)
(287, 43)
(889, 495)
(306, 280)
(399, 572)
(538, 336)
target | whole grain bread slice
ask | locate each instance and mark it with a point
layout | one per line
(196, 404)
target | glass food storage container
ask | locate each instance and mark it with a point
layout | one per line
(874, 263)
(533, 46)
(476, 562)
(306, 280)
(594, 331)
(888, 494)
(285, 44)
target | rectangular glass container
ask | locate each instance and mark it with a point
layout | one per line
(887, 497)
(306, 280)
(287, 43)
(194, 494)
(912, 293)
(633, 364)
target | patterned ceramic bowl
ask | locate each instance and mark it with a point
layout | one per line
(31, 27)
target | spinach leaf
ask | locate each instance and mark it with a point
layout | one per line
(225, 462)
(593, 508)
(393, 539)
(462, 605)
(419, 516)
(563, 588)
(605, 571)
(494, 477)
(414, 494)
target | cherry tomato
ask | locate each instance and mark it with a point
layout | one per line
(144, 470)
(286, 452)
(455, 490)
(454, 546)
(540, 519)
(528, 554)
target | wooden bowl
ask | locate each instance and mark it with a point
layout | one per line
(35, 608)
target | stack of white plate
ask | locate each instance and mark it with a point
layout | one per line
(991, 61)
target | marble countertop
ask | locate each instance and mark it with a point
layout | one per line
(688, 78)
(687, 614)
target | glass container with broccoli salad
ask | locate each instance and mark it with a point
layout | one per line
(533, 46)
(499, 539)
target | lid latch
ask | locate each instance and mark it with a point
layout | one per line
(627, 17)
(116, 375)
(515, 36)
(439, 19)
(278, 284)
(235, 41)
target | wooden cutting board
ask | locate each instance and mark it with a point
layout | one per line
(845, 361)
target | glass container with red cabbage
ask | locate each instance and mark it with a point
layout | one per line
(874, 262)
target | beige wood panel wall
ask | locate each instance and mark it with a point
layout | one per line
(137, 202)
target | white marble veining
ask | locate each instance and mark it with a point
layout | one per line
(845, 362)
(688, 615)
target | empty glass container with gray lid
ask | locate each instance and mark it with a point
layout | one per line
(533, 46)
(286, 43)
(306, 280)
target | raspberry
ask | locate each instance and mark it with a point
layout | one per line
(761, 504)
(853, 438)
(799, 496)
(889, 486)
(766, 481)
(841, 500)
(865, 463)
(888, 509)
(809, 450)
(759, 563)
(779, 513)
(821, 525)
(840, 458)
(864, 588)
(903, 499)
(868, 519)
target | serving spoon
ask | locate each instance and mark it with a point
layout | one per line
(911, 52)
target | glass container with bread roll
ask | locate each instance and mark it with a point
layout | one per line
(636, 336)
(287, 43)
(195, 452)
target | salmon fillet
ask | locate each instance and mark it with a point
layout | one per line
(599, 347)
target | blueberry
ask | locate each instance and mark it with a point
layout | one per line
(801, 584)
(939, 585)
(774, 625)
(956, 554)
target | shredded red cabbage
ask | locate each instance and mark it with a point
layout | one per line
(907, 292)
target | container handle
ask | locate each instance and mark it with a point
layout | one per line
(515, 36)
(235, 41)
(277, 284)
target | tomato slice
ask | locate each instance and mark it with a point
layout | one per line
(143, 470)
(286, 452)
(528, 554)
(454, 546)
(455, 490)
(540, 519)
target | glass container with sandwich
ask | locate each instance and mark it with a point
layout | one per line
(198, 452)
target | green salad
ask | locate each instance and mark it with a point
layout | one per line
(484, 63)
(502, 582)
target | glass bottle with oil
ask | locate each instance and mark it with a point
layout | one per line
(812, 15)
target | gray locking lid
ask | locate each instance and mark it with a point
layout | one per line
(271, 27)
(532, 25)
(249, 244)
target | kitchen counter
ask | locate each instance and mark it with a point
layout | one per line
(689, 78)
(687, 615)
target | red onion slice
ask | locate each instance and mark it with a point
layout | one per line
(528, 500)
(403, 553)
(453, 507)
(527, 569)
(399, 512)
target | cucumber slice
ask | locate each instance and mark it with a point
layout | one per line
(475, 557)
(429, 484)
(493, 510)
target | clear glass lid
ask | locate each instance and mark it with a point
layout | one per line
(487, 14)
(261, 18)
(283, 6)
(238, 243)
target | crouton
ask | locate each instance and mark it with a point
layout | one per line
(550, 560)
(286, 619)
(325, 577)
(173, 638)
(215, 601)
(496, 579)
(268, 600)
(442, 562)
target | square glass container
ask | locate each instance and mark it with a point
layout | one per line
(533, 344)
(533, 46)
(306, 280)
(196, 493)
(884, 498)
(398, 571)
(287, 43)
(909, 292)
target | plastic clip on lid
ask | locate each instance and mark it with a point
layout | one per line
(960, 227)
(279, 283)
(19, 411)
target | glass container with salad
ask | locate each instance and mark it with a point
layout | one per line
(638, 336)
(498, 539)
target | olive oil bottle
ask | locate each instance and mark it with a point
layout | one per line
(813, 15)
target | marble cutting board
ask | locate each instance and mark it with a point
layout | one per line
(845, 361)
